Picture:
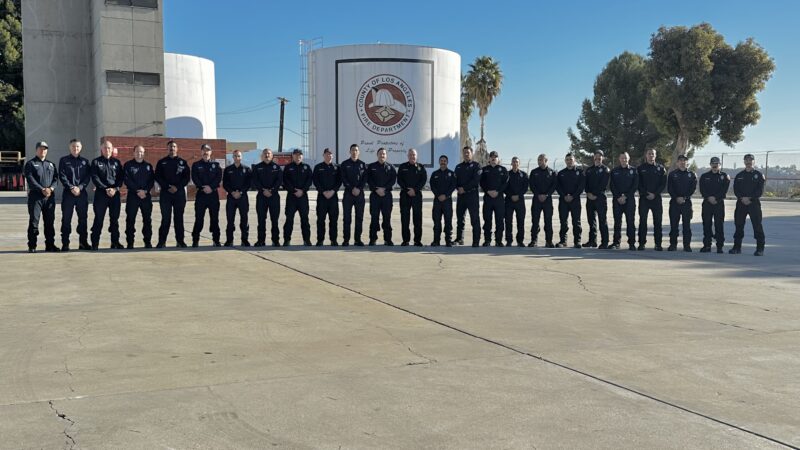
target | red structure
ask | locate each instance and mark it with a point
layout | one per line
(282, 158)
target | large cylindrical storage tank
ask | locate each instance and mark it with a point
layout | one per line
(190, 97)
(381, 95)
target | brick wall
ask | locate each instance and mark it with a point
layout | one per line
(156, 148)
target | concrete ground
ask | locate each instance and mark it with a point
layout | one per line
(400, 347)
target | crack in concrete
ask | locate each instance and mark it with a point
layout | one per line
(581, 282)
(427, 359)
(84, 329)
(68, 372)
(585, 288)
(235, 382)
(696, 318)
(71, 440)
(411, 350)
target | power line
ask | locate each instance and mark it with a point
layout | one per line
(258, 128)
(250, 109)
(256, 124)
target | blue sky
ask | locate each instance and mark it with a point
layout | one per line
(550, 53)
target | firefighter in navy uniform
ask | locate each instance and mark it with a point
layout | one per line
(652, 182)
(443, 183)
(571, 183)
(74, 172)
(714, 186)
(327, 180)
(468, 177)
(354, 178)
(108, 177)
(267, 182)
(381, 177)
(597, 178)
(172, 176)
(41, 176)
(543, 182)
(681, 185)
(411, 177)
(748, 186)
(515, 203)
(139, 179)
(297, 179)
(624, 184)
(236, 180)
(494, 180)
(206, 176)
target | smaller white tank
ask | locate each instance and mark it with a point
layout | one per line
(190, 97)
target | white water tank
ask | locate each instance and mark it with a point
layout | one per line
(190, 97)
(381, 95)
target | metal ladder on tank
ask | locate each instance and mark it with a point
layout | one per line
(307, 59)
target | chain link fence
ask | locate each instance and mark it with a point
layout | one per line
(781, 169)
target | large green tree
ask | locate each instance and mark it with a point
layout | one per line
(483, 83)
(12, 117)
(699, 85)
(614, 120)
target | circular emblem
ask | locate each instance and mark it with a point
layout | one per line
(385, 104)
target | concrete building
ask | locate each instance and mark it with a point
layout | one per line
(92, 68)
(190, 97)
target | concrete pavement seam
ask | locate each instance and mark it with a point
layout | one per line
(524, 353)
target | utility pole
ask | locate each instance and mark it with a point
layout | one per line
(280, 132)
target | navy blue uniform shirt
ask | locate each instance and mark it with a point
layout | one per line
(139, 176)
(443, 182)
(74, 172)
(682, 183)
(107, 173)
(381, 176)
(172, 172)
(543, 181)
(267, 176)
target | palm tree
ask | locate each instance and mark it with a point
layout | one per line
(483, 82)
(467, 106)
